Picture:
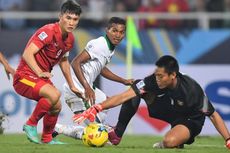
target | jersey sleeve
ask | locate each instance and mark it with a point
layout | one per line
(148, 84)
(137, 86)
(93, 49)
(206, 106)
(42, 37)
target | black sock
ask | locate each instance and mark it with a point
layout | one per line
(128, 109)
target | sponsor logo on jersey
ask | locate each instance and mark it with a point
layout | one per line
(33, 77)
(161, 95)
(89, 47)
(180, 103)
(42, 35)
(58, 53)
(140, 84)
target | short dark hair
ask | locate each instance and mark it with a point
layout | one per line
(116, 20)
(169, 63)
(71, 6)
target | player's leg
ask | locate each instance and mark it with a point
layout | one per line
(127, 111)
(177, 136)
(183, 132)
(29, 87)
(52, 95)
(76, 104)
(74, 131)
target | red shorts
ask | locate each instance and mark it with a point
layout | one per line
(29, 85)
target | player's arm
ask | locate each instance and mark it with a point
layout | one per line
(7, 67)
(220, 127)
(29, 57)
(65, 68)
(111, 102)
(111, 76)
(136, 89)
(207, 109)
(118, 99)
(76, 64)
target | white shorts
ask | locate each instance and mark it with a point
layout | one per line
(76, 104)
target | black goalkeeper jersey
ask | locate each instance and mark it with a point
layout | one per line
(186, 101)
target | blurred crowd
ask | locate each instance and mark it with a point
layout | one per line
(99, 7)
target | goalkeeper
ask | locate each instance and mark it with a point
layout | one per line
(170, 96)
(87, 66)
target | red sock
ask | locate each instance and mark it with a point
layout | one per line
(40, 110)
(49, 122)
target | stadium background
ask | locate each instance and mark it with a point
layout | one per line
(199, 39)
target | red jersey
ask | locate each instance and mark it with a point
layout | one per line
(52, 48)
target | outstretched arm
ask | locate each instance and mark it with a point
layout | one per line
(118, 99)
(111, 76)
(221, 127)
(111, 102)
(9, 70)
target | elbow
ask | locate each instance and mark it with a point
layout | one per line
(76, 66)
(74, 63)
(26, 55)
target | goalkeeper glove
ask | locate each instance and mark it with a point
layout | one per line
(228, 143)
(89, 114)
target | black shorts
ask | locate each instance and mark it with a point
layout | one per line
(194, 127)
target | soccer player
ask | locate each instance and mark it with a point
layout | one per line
(170, 96)
(90, 63)
(48, 46)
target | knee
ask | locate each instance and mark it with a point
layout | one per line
(54, 98)
(170, 142)
(56, 108)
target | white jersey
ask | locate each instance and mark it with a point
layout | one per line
(100, 54)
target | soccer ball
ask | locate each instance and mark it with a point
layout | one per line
(95, 135)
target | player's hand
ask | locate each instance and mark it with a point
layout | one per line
(128, 82)
(89, 114)
(7, 74)
(77, 92)
(45, 75)
(90, 96)
(228, 143)
(9, 70)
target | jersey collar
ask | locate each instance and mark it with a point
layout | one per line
(110, 45)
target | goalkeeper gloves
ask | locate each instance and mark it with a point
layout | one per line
(89, 114)
(228, 143)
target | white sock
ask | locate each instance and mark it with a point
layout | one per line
(74, 131)
(159, 145)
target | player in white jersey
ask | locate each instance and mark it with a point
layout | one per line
(89, 64)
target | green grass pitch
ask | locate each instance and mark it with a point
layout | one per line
(17, 143)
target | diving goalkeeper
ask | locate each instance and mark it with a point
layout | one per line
(170, 96)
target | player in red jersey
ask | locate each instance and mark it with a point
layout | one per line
(48, 46)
